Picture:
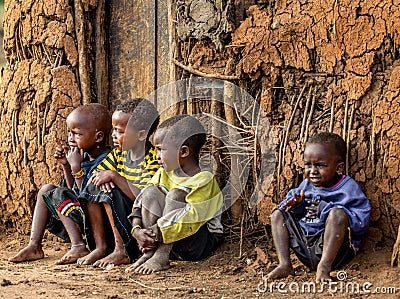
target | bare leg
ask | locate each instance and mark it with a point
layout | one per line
(335, 231)
(281, 241)
(34, 250)
(96, 219)
(78, 246)
(118, 256)
(153, 202)
(174, 200)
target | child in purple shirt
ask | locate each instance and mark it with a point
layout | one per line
(324, 219)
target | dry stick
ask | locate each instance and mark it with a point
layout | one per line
(202, 74)
(241, 237)
(348, 139)
(310, 115)
(13, 143)
(280, 156)
(38, 134)
(101, 62)
(24, 148)
(373, 137)
(171, 39)
(22, 47)
(346, 108)
(83, 66)
(47, 54)
(291, 121)
(332, 116)
(46, 111)
(236, 207)
(154, 288)
(303, 124)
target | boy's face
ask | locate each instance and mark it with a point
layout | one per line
(119, 122)
(81, 131)
(321, 165)
(167, 152)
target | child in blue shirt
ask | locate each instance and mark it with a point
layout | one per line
(57, 208)
(324, 219)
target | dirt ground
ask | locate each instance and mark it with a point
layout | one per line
(224, 275)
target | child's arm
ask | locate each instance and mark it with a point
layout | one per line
(60, 155)
(106, 180)
(75, 158)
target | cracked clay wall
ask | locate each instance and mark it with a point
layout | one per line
(38, 90)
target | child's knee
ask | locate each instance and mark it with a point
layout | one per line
(276, 217)
(149, 194)
(46, 188)
(338, 217)
(176, 195)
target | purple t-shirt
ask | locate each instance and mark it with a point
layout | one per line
(346, 195)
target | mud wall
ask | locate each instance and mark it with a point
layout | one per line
(38, 90)
(321, 66)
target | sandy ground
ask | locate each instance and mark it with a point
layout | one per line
(224, 275)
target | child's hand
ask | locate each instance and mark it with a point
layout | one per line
(146, 239)
(61, 153)
(312, 208)
(103, 179)
(294, 201)
(75, 158)
(107, 187)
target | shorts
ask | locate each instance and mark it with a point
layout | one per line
(64, 201)
(197, 246)
(308, 249)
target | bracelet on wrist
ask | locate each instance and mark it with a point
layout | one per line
(133, 229)
(79, 174)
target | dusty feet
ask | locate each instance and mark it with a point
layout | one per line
(77, 251)
(280, 272)
(146, 256)
(323, 272)
(91, 258)
(158, 262)
(29, 253)
(115, 258)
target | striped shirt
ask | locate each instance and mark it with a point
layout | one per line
(138, 173)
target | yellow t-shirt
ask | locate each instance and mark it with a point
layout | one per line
(203, 202)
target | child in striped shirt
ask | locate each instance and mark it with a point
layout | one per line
(118, 180)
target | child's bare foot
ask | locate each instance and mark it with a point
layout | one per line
(29, 253)
(146, 256)
(323, 272)
(92, 257)
(115, 258)
(280, 272)
(76, 252)
(158, 262)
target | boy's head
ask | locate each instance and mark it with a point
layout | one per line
(133, 123)
(324, 158)
(89, 126)
(178, 138)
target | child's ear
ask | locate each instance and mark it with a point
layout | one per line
(142, 135)
(184, 151)
(99, 136)
(340, 167)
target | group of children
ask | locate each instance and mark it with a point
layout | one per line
(172, 209)
(147, 204)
